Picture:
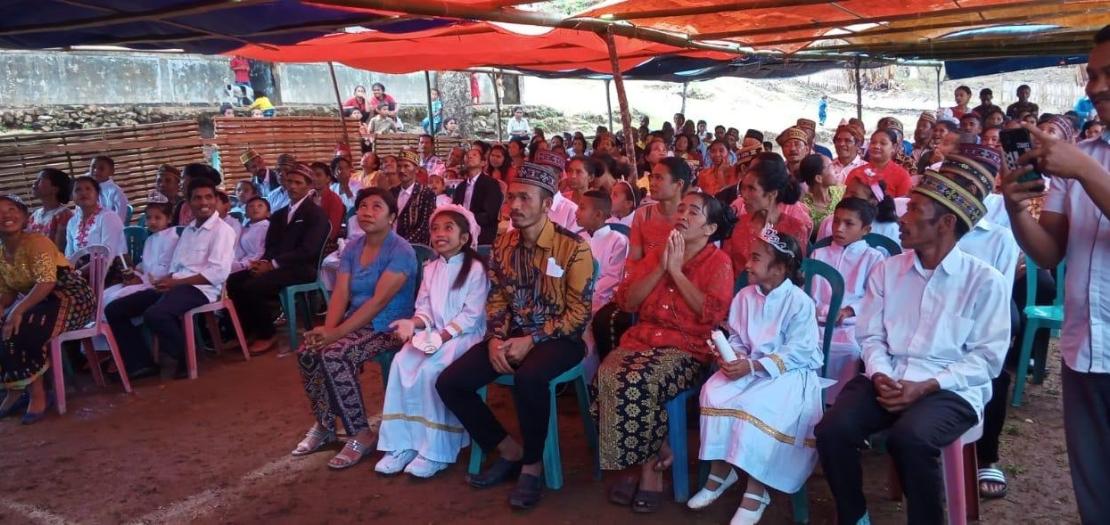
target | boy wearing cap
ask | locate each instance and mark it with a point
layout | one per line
(934, 328)
(541, 285)
(415, 201)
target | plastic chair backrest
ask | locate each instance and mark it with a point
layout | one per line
(238, 215)
(821, 243)
(424, 253)
(142, 221)
(620, 228)
(135, 236)
(814, 268)
(1031, 269)
(130, 212)
(485, 250)
(875, 240)
(741, 282)
(99, 261)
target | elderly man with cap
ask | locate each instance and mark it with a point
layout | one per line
(266, 179)
(539, 304)
(415, 201)
(795, 145)
(922, 133)
(847, 141)
(934, 327)
(810, 127)
(292, 256)
(279, 196)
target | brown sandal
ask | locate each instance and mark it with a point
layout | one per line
(647, 501)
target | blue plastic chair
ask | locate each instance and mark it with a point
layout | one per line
(1037, 317)
(676, 439)
(130, 212)
(135, 237)
(423, 255)
(740, 283)
(485, 250)
(237, 215)
(288, 298)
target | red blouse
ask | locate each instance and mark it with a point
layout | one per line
(739, 246)
(898, 181)
(665, 319)
(650, 228)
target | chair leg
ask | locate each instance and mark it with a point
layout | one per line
(121, 368)
(588, 425)
(289, 304)
(1023, 361)
(59, 375)
(191, 346)
(800, 502)
(213, 326)
(676, 438)
(93, 362)
(552, 461)
(952, 462)
(971, 481)
(234, 316)
(476, 451)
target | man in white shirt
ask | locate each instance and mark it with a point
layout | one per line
(933, 328)
(200, 266)
(846, 141)
(428, 159)
(563, 211)
(480, 193)
(518, 126)
(1074, 225)
(112, 197)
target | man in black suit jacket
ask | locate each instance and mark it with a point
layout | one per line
(485, 193)
(415, 201)
(292, 256)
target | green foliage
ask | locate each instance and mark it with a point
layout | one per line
(566, 7)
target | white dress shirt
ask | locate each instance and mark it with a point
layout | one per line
(403, 199)
(609, 249)
(468, 195)
(1085, 336)
(205, 250)
(564, 213)
(519, 127)
(251, 245)
(996, 210)
(278, 198)
(114, 199)
(295, 206)
(854, 262)
(951, 324)
(841, 170)
(236, 226)
(106, 230)
(158, 255)
(354, 185)
(626, 220)
(995, 246)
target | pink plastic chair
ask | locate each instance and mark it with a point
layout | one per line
(99, 260)
(223, 303)
(959, 466)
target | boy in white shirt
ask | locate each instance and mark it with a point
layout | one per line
(112, 197)
(251, 243)
(608, 247)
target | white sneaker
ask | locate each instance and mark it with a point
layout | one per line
(751, 517)
(706, 497)
(395, 461)
(423, 467)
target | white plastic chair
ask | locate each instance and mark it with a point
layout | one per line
(223, 303)
(99, 261)
(959, 468)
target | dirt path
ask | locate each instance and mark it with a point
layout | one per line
(215, 450)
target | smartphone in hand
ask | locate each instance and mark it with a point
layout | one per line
(1015, 143)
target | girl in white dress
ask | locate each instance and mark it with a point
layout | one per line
(157, 252)
(854, 259)
(758, 411)
(418, 433)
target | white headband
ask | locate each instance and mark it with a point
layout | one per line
(475, 230)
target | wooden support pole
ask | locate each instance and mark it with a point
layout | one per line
(938, 87)
(622, 99)
(683, 110)
(497, 105)
(339, 103)
(431, 115)
(859, 91)
(609, 103)
(732, 7)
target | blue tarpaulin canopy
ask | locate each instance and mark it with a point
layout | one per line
(957, 69)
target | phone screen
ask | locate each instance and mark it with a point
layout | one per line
(1015, 143)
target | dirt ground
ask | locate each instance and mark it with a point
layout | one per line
(216, 450)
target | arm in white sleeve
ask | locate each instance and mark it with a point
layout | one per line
(737, 321)
(800, 348)
(853, 295)
(217, 266)
(989, 338)
(472, 317)
(870, 331)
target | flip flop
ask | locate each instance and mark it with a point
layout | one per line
(995, 476)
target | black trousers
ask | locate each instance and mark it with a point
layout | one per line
(254, 296)
(608, 325)
(994, 414)
(458, 387)
(161, 313)
(915, 439)
(1087, 432)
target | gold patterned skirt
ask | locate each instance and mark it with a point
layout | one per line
(24, 357)
(632, 387)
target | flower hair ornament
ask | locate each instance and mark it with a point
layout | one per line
(770, 236)
(869, 178)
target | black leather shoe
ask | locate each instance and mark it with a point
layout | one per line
(527, 493)
(19, 406)
(501, 471)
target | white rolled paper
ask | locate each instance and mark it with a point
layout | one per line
(723, 348)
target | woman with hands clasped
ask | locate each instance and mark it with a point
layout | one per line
(374, 288)
(418, 433)
(758, 411)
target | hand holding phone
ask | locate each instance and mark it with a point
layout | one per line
(1015, 143)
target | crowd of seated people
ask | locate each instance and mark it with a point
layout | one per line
(536, 256)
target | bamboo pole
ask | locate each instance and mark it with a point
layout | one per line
(609, 104)
(683, 111)
(714, 9)
(921, 16)
(859, 92)
(622, 99)
(497, 106)
(938, 87)
(431, 116)
(339, 103)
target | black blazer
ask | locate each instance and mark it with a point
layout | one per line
(485, 204)
(296, 244)
(413, 222)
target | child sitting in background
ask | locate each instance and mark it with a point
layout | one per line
(609, 249)
(252, 241)
(439, 186)
(625, 201)
(223, 206)
(854, 259)
(245, 190)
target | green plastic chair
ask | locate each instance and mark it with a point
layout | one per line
(485, 250)
(130, 212)
(135, 237)
(620, 228)
(238, 215)
(1037, 317)
(874, 240)
(424, 254)
(142, 221)
(740, 283)
(288, 299)
(552, 461)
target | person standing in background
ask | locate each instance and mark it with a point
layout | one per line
(823, 110)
